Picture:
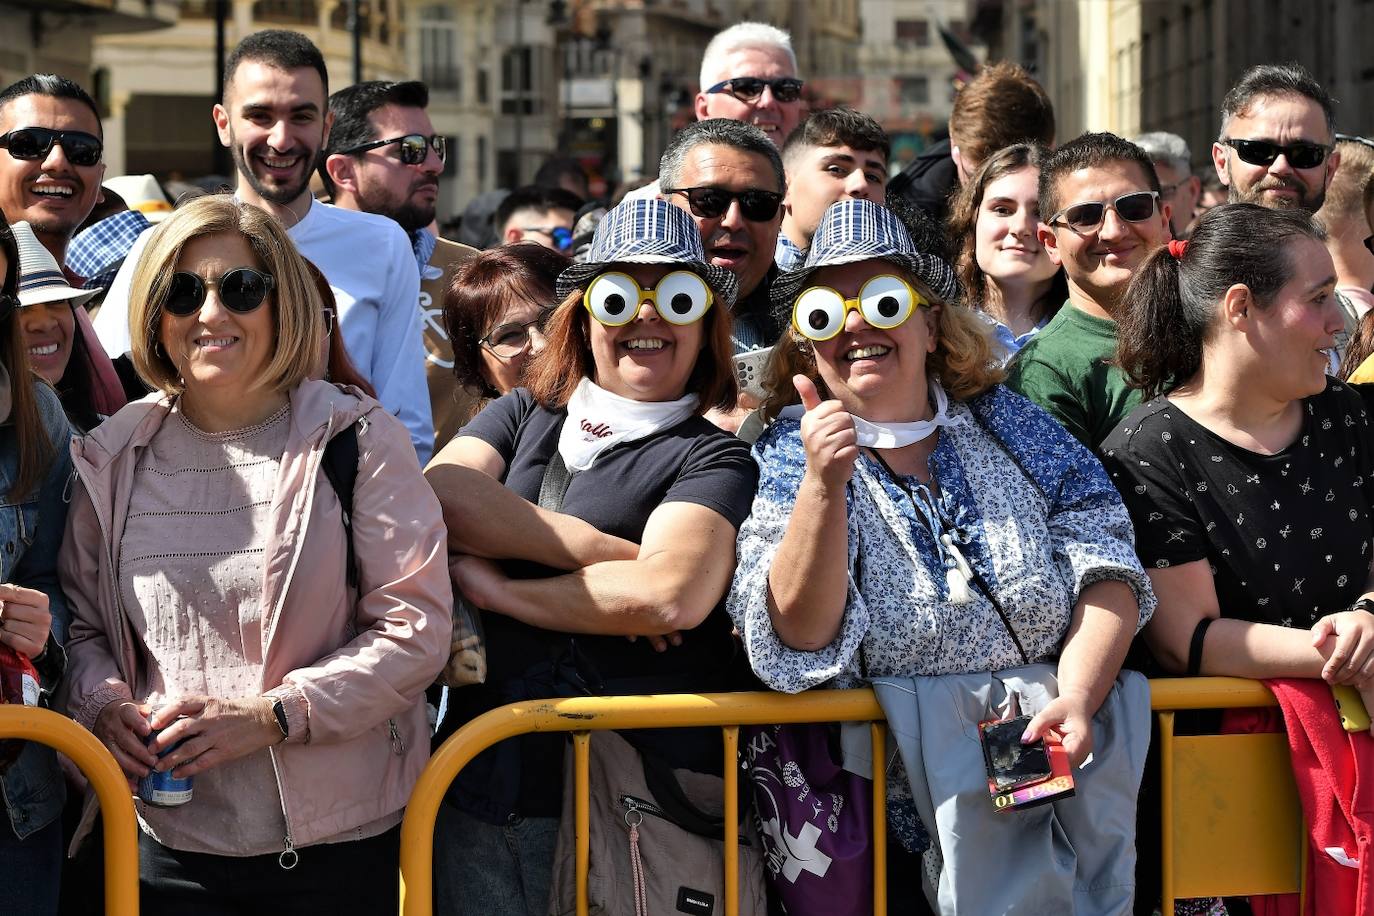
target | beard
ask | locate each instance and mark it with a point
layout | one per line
(409, 214)
(1308, 199)
(268, 189)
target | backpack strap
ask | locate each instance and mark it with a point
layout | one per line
(340, 467)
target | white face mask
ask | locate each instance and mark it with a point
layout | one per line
(895, 435)
(598, 419)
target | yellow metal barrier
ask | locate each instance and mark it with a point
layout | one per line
(116, 804)
(583, 715)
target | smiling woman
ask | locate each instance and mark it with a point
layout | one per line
(639, 540)
(915, 521)
(251, 627)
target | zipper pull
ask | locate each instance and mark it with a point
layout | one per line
(289, 858)
(398, 747)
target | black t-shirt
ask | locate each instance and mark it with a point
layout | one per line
(1288, 536)
(692, 462)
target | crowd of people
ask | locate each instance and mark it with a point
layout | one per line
(1000, 433)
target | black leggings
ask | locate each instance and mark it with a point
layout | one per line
(331, 879)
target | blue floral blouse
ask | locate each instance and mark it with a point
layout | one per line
(1038, 527)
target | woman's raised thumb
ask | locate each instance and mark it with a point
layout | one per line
(810, 398)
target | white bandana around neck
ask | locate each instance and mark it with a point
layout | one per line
(598, 419)
(895, 435)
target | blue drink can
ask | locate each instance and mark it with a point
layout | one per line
(163, 789)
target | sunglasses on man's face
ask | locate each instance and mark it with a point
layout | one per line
(749, 88)
(560, 235)
(414, 148)
(1300, 155)
(241, 290)
(1136, 207)
(711, 203)
(36, 142)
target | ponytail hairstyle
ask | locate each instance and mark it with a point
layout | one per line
(36, 451)
(1171, 303)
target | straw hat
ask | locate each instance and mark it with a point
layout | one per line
(40, 278)
(142, 193)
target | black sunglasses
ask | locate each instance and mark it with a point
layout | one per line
(711, 203)
(414, 147)
(36, 142)
(1300, 155)
(1135, 207)
(240, 290)
(749, 88)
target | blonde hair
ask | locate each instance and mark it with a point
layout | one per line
(964, 360)
(297, 310)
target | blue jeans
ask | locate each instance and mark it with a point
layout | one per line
(30, 870)
(481, 869)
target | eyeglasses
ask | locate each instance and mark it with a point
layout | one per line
(1369, 243)
(1302, 155)
(509, 340)
(711, 203)
(240, 290)
(749, 88)
(1136, 207)
(561, 235)
(885, 302)
(414, 147)
(680, 298)
(36, 142)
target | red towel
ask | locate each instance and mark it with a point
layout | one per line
(1334, 771)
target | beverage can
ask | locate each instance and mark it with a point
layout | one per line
(163, 789)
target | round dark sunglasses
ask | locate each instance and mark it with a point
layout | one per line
(1263, 152)
(414, 148)
(36, 142)
(749, 88)
(1135, 207)
(241, 290)
(711, 203)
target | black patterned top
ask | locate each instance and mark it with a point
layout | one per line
(1288, 535)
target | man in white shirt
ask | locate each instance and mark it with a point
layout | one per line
(275, 120)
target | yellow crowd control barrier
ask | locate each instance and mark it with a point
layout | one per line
(116, 804)
(1230, 813)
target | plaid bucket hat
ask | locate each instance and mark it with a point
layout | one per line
(647, 232)
(860, 230)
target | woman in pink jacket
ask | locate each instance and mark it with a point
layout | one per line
(227, 624)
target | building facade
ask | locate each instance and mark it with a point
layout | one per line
(58, 36)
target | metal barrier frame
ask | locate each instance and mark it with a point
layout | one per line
(112, 788)
(583, 715)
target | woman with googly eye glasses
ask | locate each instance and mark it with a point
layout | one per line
(618, 505)
(918, 524)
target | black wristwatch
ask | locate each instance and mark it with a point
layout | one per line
(1365, 603)
(279, 710)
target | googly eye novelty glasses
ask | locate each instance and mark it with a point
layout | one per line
(885, 302)
(680, 298)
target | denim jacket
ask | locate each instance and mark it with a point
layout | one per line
(30, 535)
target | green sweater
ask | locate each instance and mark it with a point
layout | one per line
(1068, 369)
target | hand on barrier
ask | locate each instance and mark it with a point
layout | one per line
(1352, 660)
(827, 431)
(24, 619)
(215, 731)
(122, 726)
(1071, 718)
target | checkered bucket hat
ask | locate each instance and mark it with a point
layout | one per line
(860, 230)
(647, 232)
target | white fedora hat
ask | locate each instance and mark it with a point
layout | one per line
(142, 193)
(40, 278)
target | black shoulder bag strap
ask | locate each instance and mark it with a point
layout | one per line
(340, 466)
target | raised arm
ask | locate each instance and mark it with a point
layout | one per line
(466, 476)
(680, 573)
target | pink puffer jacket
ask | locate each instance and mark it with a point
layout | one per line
(351, 670)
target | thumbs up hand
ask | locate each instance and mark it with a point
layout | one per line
(827, 431)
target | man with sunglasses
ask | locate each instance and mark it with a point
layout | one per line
(1105, 219)
(1179, 187)
(384, 157)
(749, 74)
(538, 214)
(275, 121)
(1275, 147)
